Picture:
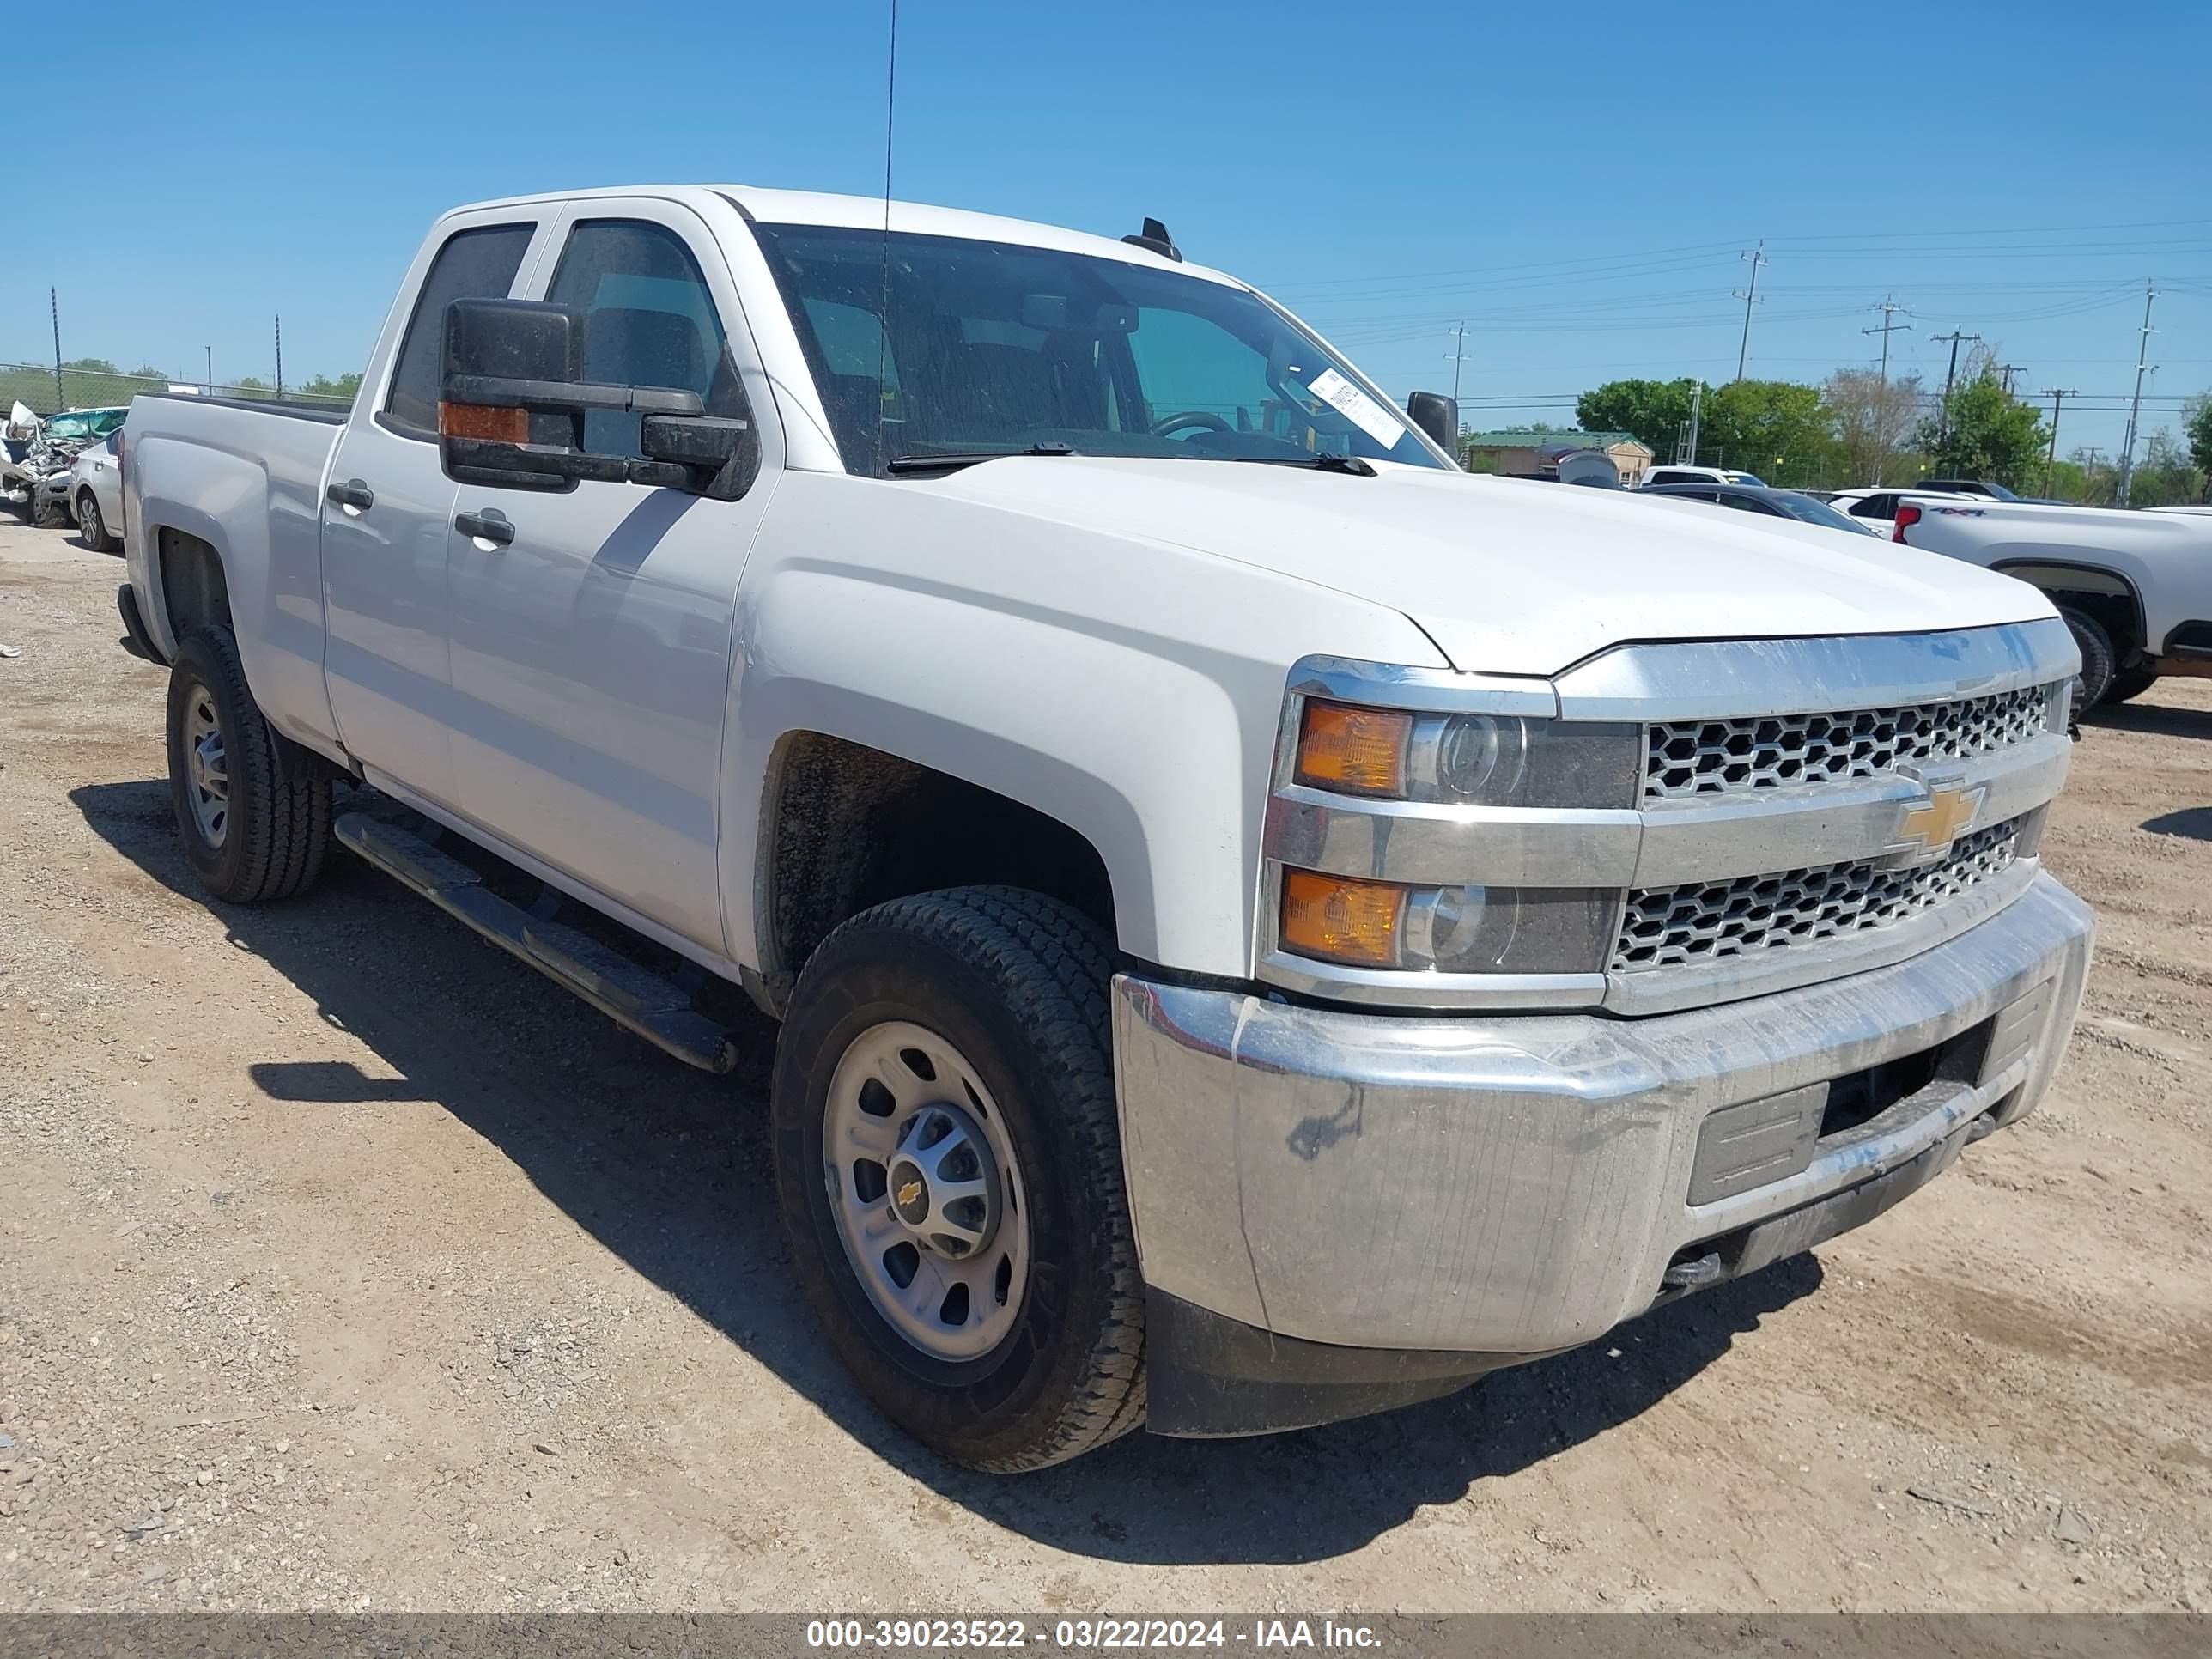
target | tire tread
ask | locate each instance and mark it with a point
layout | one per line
(286, 821)
(1054, 965)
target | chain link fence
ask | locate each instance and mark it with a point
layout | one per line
(32, 385)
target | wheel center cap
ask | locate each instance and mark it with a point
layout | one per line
(909, 1193)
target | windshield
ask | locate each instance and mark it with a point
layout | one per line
(1807, 510)
(1752, 479)
(995, 348)
(85, 422)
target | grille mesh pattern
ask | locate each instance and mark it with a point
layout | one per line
(1700, 921)
(1702, 757)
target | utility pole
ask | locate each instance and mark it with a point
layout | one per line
(210, 371)
(1943, 424)
(2058, 395)
(280, 360)
(2008, 370)
(1750, 298)
(54, 310)
(1697, 410)
(1458, 356)
(1889, 325)
(2135, 408)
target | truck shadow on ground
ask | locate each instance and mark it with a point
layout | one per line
(668, 1168)
(2194, 821)
(2156, 719)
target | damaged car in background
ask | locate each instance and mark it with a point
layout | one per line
(38, 485)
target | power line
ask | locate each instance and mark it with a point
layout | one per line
(2008, 370)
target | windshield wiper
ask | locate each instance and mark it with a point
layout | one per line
(1351, 464)
(948, 463)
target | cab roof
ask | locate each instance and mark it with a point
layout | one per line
(807, 207)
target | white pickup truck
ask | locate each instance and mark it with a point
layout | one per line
(2135, 588)
(1264, 926)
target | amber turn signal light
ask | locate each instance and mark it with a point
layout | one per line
(1359, 752)
(504, 426)
(1354, 922)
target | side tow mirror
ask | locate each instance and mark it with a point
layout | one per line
(1437, 416)
(514, 377)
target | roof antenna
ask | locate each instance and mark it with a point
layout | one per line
(1155, 236)
(884, 326)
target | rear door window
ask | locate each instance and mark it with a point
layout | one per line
(477, 264)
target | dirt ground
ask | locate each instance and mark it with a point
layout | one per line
(345, 1263)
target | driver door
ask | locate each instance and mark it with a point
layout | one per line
(592, 650)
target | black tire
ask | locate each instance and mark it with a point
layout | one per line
(278, 823)
(2130, 684)
(43, 514)
(1017, 982)
(92, 528)
(2098, 657)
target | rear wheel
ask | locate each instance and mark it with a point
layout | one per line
(90, 525)
(949, 1167)
(2131, 682)
(2098, 657)
(251, 831)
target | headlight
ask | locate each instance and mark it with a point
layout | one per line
(1465, 929)
(1467, 760)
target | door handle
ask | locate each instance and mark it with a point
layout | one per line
(353, 494)
(489, 526)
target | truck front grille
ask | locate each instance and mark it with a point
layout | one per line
(1707, 757)
(1703, 921)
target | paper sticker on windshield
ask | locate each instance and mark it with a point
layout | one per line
(1357, 407)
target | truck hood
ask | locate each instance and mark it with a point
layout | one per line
(1511, 576)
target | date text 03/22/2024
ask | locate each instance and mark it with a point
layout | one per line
(1079, 1635)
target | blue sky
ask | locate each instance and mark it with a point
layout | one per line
(1576, 183)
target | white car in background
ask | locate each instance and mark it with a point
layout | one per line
(95, 492)
(1682, 475)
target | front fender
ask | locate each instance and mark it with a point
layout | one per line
(1130, 689)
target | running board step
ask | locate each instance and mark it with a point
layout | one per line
(627, 993)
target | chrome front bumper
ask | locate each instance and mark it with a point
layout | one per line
(1517, 1185)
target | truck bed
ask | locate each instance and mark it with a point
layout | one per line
(246, 475)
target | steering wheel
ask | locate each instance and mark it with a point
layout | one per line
(1191, 418)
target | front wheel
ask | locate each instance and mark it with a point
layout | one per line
(949, 1169)
(2098, 658)
(250, 832)
(2130, 684)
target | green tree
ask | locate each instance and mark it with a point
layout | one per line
(148, 372)
(2166, 475)
(91, 365)
(2197, 427)
(324, 385)
(1775, 428)
(1988, 435)
(1651, 411)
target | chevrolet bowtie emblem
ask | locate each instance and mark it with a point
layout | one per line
(1930, 826)
(908, 1193)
